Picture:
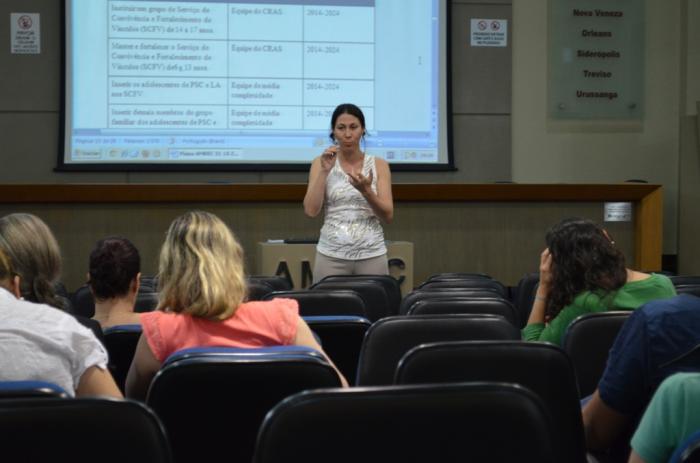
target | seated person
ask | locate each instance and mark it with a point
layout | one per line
(672, 416)
(42, 343)
(581, 271)
(201, 303)
(35, 256)
(653, 344)
(113, 279)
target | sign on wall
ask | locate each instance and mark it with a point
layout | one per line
(596, 59)
(489, 32)
(25, 33)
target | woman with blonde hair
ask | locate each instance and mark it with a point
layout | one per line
(202, 302)
(37, 341)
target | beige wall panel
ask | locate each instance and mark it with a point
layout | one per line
(689, 221)
(502, 239)
(30, 144)
(33, 83)
(578, 154)
(481, 76)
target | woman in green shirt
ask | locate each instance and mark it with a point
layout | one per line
(581, 271)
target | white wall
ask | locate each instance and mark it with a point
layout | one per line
(575, 155)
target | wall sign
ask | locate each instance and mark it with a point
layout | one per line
(596, 59)
(25, 33)
(489, 32)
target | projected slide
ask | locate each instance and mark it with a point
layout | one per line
(217, 82)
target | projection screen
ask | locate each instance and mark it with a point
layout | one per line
(219, 85)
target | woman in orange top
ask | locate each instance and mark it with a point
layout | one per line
(201, 302)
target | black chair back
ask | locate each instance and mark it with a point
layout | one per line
(120, 342)
(82, 430)
(587, 341)
(82, 302)
(442, 423)
(525, 296)
(146, 301)
(542, 368)
(277, 282)
(469, 283)
(372, 293)
(321, 302)
(389, 339)
(390, 284)
(443, 293)
(688, 451)
(458, 276)
(212, 400)
(30, 389)
(466, 305)
(257, 290)
(341, 337)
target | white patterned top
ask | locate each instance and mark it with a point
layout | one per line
(350, 229)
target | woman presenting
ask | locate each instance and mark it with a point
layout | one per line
(355, 190)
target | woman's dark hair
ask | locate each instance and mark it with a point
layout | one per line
(114, 263)
(584, 258)
(347, 108)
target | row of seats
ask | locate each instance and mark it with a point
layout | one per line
(438, 422)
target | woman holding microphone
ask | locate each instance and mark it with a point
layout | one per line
(354, 189)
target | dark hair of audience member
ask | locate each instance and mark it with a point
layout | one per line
(584, 258)
(114, 263)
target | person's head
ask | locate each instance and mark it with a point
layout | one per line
(584, 257)
(114, 268)
(201, 268)
(347, 120)
(34, 256)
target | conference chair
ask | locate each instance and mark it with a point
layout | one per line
(120, 342)
(466, 305)
(689, 288)
(587, 341)
(324, 301)
(81, 430)
(470, 283)
(542, 368)
(83, 302)
(390, 284)
(341, 337)
(373, 294)
(30, 389)
(458, 276)
(443, 294)
(688, 451)
(439, 423)
(212, 400)
(277, 282)
(389, 339)
(257, 290)
(524, 296)
(681, 280)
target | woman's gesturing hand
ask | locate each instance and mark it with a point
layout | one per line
(328, 158)
(362, 183)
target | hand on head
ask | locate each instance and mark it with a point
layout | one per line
(545, 269)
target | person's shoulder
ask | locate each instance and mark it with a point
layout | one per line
(380, 162)
(276, 304)
(682, 303)
(682, 381)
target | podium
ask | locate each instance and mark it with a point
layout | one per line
(295, 261)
